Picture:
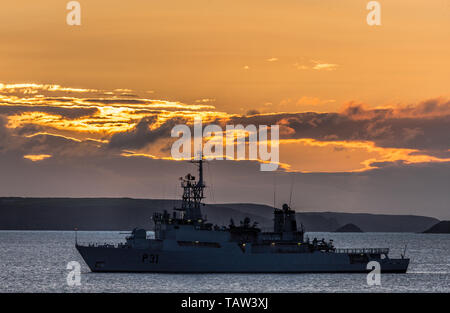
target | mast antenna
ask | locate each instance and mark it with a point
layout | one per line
(292, 190)
(274, 190)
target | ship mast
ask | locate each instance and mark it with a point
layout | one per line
(193, 194)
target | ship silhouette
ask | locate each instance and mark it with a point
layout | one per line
(184, 242)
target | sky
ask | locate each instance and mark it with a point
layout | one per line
(363, 111)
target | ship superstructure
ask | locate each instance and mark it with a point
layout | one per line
(184, 242)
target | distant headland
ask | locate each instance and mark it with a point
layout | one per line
(442, 227)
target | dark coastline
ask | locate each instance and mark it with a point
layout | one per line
(126, 213)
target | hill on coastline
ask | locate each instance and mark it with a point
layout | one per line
(349, 228)
(442, 227)
(126, 213)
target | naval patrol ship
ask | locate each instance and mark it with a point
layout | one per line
(184, 242)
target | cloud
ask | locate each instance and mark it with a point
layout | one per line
(302, 104)
(31, 88)
(37, 157)
(40, 145)
(205, 100)
(87, 116)
(313, 101)
(144, 133)
(316, 65)
(300, 66)
(319, 66)
(62, 125)
(66, 112)
(252, 112)
(411, 127)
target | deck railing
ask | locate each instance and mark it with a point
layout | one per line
(102, 245)
(364, 250)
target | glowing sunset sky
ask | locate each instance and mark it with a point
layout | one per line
(364, 111)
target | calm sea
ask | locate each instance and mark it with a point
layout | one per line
(35, 261)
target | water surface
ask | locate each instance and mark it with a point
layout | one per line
(35, 261)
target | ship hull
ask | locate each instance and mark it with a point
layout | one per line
(111, 259)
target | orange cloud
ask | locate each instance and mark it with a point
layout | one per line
(357, 138)
(37, 157)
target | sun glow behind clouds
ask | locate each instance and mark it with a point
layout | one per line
(144, 125)
(98, 116)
